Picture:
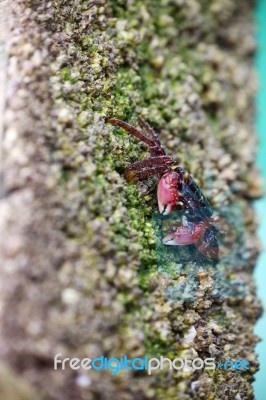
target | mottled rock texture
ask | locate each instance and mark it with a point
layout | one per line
(79, 273)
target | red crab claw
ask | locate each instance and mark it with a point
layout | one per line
(167, 192)
(188, 233)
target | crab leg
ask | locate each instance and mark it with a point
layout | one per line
(143, 173)
(152, 162)
(145, 168)
(149, 129)
(135, 132)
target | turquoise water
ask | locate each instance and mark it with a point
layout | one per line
(260, 272)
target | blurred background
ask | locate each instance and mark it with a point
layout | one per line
(260, 273)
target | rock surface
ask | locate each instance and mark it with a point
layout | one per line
(79, 271)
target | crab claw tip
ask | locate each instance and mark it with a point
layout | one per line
(164, 209)
(169, 240)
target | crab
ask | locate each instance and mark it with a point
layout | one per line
(177, 190)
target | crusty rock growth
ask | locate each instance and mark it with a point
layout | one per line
(79, 273)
